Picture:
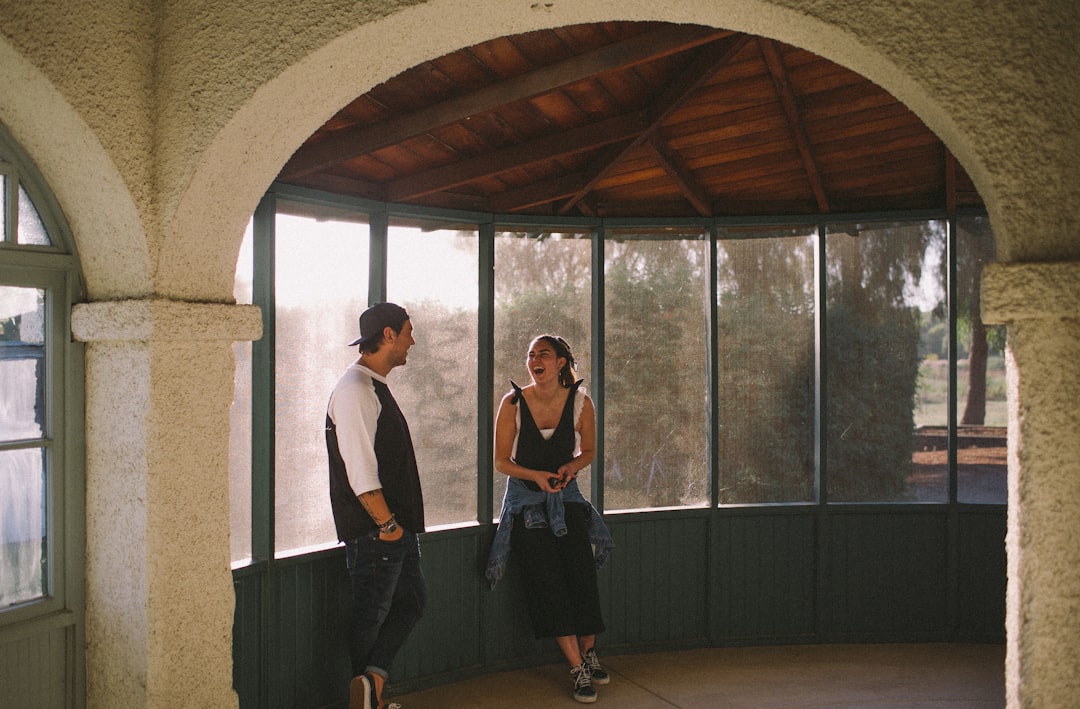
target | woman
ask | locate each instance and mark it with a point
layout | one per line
(545, 434)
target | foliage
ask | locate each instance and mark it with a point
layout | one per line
(766, 369)
(873, 367)
(654, 386)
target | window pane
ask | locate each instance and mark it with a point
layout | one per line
(31, 230)
(980, 386)
(433, 275)
(885, 297)
(240, 418)
(766, 363)
(23, 548)
(655, 385)
(321, 287)
(543, 285)
(22, 363)
(4, 236)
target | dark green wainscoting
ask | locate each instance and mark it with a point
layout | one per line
(677, 579)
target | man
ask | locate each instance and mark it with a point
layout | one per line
(377, 501)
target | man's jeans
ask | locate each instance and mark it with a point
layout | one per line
(389, 595)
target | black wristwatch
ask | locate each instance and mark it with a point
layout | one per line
(389, 526)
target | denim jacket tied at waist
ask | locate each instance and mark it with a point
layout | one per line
(540, 510)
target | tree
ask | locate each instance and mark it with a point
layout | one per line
(655, 385)
(976, 251)
(766, 368)
(872, 340)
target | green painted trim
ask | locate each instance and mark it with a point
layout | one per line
(485, 377)
(596, 388)
(55, 269)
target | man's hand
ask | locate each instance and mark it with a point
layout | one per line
(392, 536)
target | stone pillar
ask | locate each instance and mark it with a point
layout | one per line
(159, 595)
(1040, 304)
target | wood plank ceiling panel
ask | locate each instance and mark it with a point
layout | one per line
(627, 119)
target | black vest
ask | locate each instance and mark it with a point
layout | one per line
(536, 452)
(398, 475)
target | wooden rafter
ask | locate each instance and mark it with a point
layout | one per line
(710, 60)
(786, 95)
(518, 156)
(677, 171)
(349, 143)
(626, 119)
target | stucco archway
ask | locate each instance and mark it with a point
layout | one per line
(109, 233)
(202, 238)
(1003, 129)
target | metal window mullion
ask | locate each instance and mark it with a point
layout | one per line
(712, 362)
(263, 355)
(952, 591)
(378, 246)
(598, 364)
(951, 281)
(821, 472)
(485, 374)
(11, 202)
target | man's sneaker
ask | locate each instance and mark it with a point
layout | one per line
(596, 671)
(583, 689)
(362, 694)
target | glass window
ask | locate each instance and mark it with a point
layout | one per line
(321, 287)
(543, 285)
(23, 530)
(885, 298)
(35, 475)
(766, 363)
(22, 362)
(656, 306)
(432, 273)
(23, 482)
(980, 366)
(31, 229)
(240, 417)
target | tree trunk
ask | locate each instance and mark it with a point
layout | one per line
(975, 406)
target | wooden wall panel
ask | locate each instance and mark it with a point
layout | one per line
(247, 635)
(654, 586)
(887, 576)
(676, 579)
(35, 670)
(447, 638)
(764, 565)
(981, 575)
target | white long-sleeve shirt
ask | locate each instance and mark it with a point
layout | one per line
(354, 408)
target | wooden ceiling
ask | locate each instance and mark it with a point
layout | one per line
(628, 119)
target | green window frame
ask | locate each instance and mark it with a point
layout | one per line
(922, 250)
(38, 262)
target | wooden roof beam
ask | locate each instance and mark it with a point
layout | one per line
(710, 60)
(588, 137)
(675, 169)
(353, 142)
(537, 193)
(784, 92)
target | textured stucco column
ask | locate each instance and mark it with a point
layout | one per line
(1040, 303)
(159, 598)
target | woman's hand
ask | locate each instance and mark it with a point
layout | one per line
(545, 480)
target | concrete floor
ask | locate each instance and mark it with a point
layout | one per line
(792, 677)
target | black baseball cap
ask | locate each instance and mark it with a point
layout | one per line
(376, 319)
